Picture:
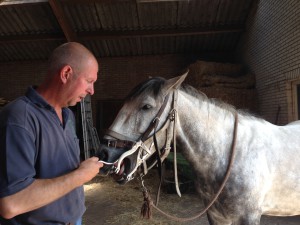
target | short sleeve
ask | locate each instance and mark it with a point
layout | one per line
(17, 158)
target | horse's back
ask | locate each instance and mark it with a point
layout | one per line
(283, 197)
(294, 123)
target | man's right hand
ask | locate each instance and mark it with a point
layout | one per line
(89, 168)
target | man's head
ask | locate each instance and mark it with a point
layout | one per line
(74, 69)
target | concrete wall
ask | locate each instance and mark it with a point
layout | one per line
(271, 49)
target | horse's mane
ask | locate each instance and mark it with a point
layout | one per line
(203, 97)
(155, 84)
(150, 86)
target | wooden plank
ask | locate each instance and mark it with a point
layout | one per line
(31, 38)
(107, 35)
(18, 2)
(102, 35)
(62, 20)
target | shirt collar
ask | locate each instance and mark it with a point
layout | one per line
(38, 100)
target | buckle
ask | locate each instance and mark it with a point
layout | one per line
(112, 143)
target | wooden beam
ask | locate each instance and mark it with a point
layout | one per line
(96, 1)
(62, 20)
(19, 2)
(149, 1)
(104, 35)
(108, 35)
(31, 38)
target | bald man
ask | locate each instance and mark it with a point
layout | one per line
(41, 177)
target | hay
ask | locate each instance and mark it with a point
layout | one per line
(203, 74)
(200, 68)
(225, 81)
(111, 203)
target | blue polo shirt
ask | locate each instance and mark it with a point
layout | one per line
(34, 144)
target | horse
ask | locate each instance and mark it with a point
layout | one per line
(264, 177)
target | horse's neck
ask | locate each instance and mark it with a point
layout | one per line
(205, 132)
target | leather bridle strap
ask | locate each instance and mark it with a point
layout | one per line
(120, 138)
(159, 162)
(158, 153)
(116, 135)
(155, 122)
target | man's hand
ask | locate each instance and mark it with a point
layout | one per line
(89, 169)
(44, 191)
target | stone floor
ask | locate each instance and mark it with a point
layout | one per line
(110, 203)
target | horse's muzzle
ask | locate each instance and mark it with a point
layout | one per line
(109, 155)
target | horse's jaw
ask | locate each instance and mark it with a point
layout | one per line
(115, 165)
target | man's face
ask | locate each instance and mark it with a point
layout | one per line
(82, 84)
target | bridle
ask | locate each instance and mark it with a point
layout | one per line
(144, 152)
(146, 145)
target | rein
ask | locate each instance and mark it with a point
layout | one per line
(148, 203)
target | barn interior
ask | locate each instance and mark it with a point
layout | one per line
(245, 53)
(253, 41)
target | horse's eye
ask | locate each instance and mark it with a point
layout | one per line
(146, 107)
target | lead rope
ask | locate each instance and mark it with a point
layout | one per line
(146, 208)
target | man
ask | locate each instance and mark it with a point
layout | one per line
(41, 176)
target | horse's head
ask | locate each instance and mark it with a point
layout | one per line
(129, 144)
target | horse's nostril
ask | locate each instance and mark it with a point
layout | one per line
(103, 155)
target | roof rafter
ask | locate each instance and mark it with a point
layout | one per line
(62, 20)
(19, 2)
(107, 35)
(31, 38)
(155, 33)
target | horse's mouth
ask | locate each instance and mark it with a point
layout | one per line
(121, 176)
(121, 171)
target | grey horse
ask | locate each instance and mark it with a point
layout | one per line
(265, 175)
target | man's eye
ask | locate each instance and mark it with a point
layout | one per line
(146, 107)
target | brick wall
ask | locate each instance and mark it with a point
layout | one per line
(271, 49)
(117, 76)
(16, 77)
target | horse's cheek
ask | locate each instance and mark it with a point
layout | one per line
(138, 123)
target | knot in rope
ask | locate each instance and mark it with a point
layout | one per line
(146, 210)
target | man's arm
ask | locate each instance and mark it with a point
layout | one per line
(44, 191)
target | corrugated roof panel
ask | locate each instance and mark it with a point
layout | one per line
(162, 21)
(157, 16)
(197, 13)
(83, 17)
(28, 51)
(158, 46)
(233, 12)
(99, 48)
(121, 16)
(28, 19)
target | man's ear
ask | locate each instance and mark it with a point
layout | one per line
(65, 73)
(175, 82)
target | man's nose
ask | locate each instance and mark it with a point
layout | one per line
(90, 90)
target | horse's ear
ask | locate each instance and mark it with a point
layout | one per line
(174, 83)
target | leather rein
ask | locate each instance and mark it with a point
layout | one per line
(144, 152)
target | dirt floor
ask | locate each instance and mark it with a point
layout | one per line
(110, 203)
